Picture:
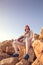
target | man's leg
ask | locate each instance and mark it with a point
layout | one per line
(15, 46)
(27, 48)
(27, 45)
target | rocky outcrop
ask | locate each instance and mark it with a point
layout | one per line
(6, 44)
(9, 61)
(3, 56)
(23, 62)
(7, 50)
(30, 60)
(35, 52)
(36, 36)
(37, 62)
(38, 49)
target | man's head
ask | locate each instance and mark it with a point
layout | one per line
(27, 28)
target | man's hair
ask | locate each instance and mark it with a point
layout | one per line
(27, 26)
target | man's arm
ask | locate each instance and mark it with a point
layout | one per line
(20, 37)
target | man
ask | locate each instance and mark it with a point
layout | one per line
(27, 39)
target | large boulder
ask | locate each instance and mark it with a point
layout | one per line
(30, 60)
(41, 58)
(9, 50)
(9, 61)
(23, 62)
(6, 46)
(38, 47)
(21, 51)
(37, 62)
(31, 55)
(36, 36)
(3, 56)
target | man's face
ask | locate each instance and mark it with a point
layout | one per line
(27, 29)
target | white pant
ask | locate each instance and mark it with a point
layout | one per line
(27, 43)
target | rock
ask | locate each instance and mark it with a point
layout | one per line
(6, 46)
(9, 61)
(9, 50)
(41, 58)
(36, 62)
(36, 36)
(21, 51)
(30, 60)
(41, 33)
(31, 55)
(38, 47)
(1, 50)
(23, 62)
(3, 56)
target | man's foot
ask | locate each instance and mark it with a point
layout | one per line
(26, 57)
(15, 55)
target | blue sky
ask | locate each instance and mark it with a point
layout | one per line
(15, 14)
